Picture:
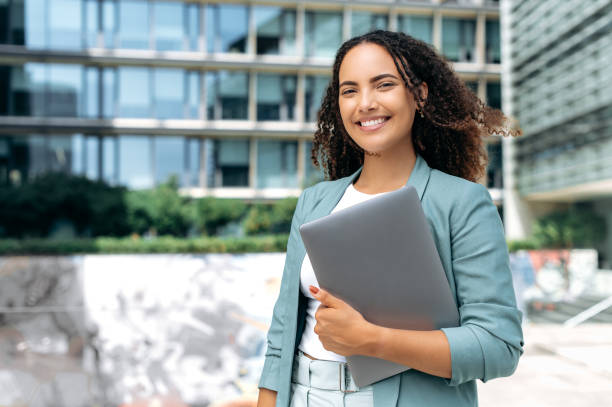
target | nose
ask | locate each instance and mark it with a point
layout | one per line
(367, 102)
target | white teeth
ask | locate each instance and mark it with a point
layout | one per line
(373, 122)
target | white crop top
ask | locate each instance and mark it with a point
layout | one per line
(310, 342)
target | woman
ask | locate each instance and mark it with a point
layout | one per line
(395, 114)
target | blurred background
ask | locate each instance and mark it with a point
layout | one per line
(152, 152)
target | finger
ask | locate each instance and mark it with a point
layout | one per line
(325, 298)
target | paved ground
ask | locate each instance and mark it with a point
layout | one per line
(560, 367)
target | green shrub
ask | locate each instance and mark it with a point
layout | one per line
(160, 210)
(164, 244)
(577, 227)
(270, 217)
(211, 214)
(33, 209)
(516, 245)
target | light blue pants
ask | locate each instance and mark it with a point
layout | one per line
(318, 383)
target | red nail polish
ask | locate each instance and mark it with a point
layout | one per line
(314, 289)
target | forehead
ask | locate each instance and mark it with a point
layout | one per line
(365, 61)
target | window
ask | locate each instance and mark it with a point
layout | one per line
(91, 92)
(169, 93)
(226, 27)
(275, 30)
(494, 168)
(314, 92)
(64, 24)
(193, 94)
(134, 92)
(169, 159)
(363, 22)
(473, 85)
(90, 24)
(229, 164)
(135, 162)
(109, 92)
(109, 23)
(419, 27)
(458, 39)
(110, 147)
(312, 174)
(194, 152)
(323, 33)
(134, 24)
(493, 48)
(276, 164)
(92, 146)
(64, 90)
(193, 26)
(275, 97)
(168, 18)
(27, 88)
(494, 94)
(227, 95)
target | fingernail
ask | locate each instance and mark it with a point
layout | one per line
(314, 289)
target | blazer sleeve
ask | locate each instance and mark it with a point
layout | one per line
(270, 375)
(489, 340)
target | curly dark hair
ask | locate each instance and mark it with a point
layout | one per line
(449, 136)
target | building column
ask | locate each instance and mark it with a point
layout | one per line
(253, 163)
(436, 38)
(300, 26)
(252, 100)
(300, 113)
(480, 39)
(346, 23)
(301, 163)
(393, 19)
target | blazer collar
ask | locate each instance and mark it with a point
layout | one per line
(419, 177)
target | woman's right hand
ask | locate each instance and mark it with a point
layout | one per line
(267, 398)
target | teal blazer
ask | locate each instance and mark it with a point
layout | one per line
(470, 239)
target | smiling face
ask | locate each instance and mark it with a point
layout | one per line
(377, 109)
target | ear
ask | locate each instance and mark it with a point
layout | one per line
(424, 90)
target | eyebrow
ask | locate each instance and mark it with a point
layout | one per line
(374, 79)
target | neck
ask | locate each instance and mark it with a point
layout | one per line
(387, 171)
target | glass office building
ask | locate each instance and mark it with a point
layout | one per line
(222, 95)
(559, 86)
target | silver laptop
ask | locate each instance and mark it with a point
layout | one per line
(379, 256)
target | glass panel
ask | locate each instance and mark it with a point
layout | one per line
(193, 90)
(169, 93)
(233, 94)
(493, 48)
(60, 153)
(65, 24)
(135, 162)
(109, 24)
(109, 86)
(35, 24)
(5, 86)
(473, 85)
(364, 22)
(458, 39)
(92, 145)
(92, 91)
(193, 155)
(28, 89)
(168, 26)
(494, 94)
(36, 156)
(109, 160)
(276, 164)
(169, 159)
(133, 24)
(91, 23)
(323, 34)
(314, 92)
(193, 29)
(64, 92)
(230, 163)
(275, 28)
(275, 97)
(419, 27)
(227, 27)
(312, 174)
(134, 92)
(77, 154)
(494, 168)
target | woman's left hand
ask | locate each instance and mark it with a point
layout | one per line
(341, 328)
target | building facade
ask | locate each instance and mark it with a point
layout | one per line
(558, 83)
(223, 95)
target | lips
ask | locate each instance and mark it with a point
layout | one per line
(373, 123)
